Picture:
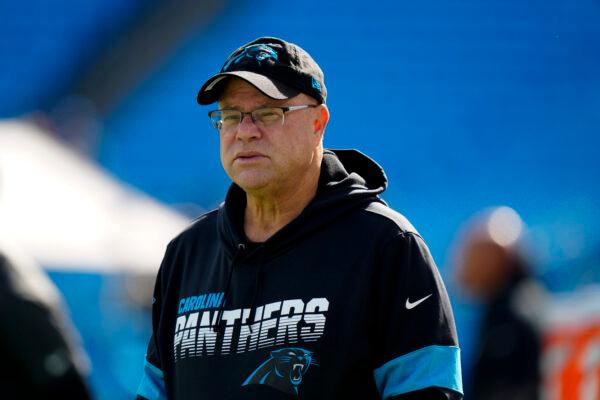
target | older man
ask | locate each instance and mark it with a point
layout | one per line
(303, 284)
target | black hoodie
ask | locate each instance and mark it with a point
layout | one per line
(343, 302)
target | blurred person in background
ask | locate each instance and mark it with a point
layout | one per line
(304, 283)
(492, 269)
(41, 356)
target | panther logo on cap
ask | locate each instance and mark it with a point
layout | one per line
(259, 52)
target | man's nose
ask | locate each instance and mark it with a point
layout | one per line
(247, 130)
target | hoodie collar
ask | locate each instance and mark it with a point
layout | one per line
(348, 179)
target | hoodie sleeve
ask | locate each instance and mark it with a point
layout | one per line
(152, 385)
(415, 336)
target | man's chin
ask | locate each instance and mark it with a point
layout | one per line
(252, 184)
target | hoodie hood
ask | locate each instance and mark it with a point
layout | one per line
(348, 179)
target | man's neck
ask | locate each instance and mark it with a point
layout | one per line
(267, 214)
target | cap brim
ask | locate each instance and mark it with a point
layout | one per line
(212, 88)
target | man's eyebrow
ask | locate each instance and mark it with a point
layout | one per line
(228, 106)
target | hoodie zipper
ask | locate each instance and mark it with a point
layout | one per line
(257, 284)
(241, 248)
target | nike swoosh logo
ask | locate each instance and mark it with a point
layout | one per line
(410, 305)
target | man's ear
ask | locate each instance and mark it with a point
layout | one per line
(321, 122)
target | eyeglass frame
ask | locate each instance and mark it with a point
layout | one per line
(251, 113)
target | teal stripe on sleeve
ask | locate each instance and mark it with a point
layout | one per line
(152, 386)
(437, 366)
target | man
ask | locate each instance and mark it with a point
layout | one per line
(493, 270)
(41, 356)
(303, 284)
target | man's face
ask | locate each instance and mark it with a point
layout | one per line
(268, 160)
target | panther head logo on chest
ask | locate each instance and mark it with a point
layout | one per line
(284, 370)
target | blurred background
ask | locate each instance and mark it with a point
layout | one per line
(105, 155)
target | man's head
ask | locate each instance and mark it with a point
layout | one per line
(270, 132)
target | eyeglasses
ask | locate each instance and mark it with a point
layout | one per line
(228, 120)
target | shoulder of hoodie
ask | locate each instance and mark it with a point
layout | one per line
(203, 225)
(395, 233)
(390, 220)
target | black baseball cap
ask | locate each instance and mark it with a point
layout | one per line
(277, 68)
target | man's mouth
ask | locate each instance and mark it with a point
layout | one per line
(249, 156)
